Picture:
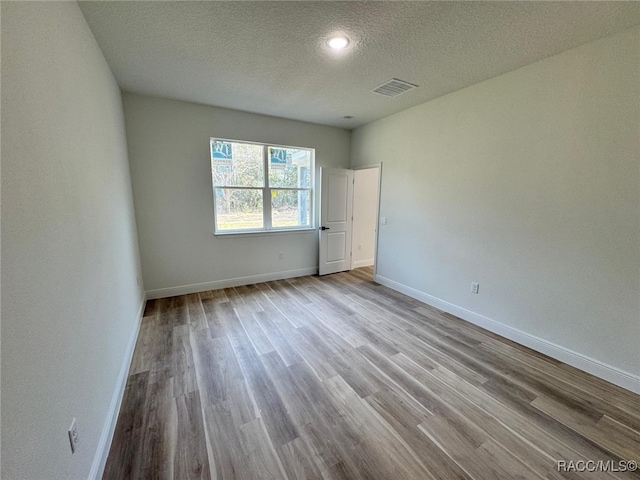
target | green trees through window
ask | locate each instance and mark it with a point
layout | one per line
(246, 199)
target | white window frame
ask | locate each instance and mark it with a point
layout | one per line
(266, 192)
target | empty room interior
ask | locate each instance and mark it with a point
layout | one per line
(320, 240)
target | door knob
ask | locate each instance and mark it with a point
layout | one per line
(325, 228)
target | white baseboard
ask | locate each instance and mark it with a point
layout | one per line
(362, 263)
(230, 282)
(583, 362)
(108, 429)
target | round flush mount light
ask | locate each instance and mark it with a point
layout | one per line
(338, 42)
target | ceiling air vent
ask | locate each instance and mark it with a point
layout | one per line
(394, 87)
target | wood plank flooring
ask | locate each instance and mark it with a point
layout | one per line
(338, 377)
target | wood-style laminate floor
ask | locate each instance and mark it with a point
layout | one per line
(337, 377)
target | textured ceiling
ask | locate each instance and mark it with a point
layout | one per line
(271, 57)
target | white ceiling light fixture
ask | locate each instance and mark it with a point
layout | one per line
(338, 42)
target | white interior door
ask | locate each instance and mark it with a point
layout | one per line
(336, 218)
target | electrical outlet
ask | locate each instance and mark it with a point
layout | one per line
(280, 256)
(383, 220)
(475, 287)
(359, 246)
(73, 436)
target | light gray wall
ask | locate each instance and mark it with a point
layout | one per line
(171, 174)
(69, 250)
(365, 209)
(528, 183)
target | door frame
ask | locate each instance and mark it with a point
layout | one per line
(379, 194)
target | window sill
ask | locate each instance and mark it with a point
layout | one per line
(260, 233)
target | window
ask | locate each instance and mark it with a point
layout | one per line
(258, 188)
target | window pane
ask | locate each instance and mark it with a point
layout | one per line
(289, 167)
(238, 209)
(236, 164)
(291, 208)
